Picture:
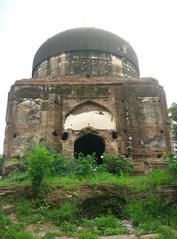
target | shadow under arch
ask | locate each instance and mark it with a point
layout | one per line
(89, 144)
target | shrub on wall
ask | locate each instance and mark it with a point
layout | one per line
(1, 163)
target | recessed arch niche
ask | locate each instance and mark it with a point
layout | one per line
(90, 114)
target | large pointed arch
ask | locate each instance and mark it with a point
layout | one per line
(90, 114)
(87, 102)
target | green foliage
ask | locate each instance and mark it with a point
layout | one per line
(39, 162)
(107, 225)
(1, 163)
(10, 231)
(24, 209)
(19, 235)
(135, 210)
(147, 227)
(87, 235)
(4, 221)
(59, 164)
(64, 213)
(151, 211)
(51, 235)
(166, 233)
(116, 164)
(28, 212)
(149, 215)
(173, 111)
(144, 183)
(172, 166)
(174, 130)
(84, 165)
(68, 227)
(173, 115)
(155, 179)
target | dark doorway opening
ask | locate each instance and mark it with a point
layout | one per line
(90, 144)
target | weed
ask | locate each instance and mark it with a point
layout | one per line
(172, 166)
(151, 226)
(166, 233)
(59, 165)
(10, 230)
(116, 164)
(153, 213)
(64, 213)
(68, 226)
(4, 223)
(51, 235)
(12, 234)
(107, 225)
(84, 165)
(24, 209)
(28, 212)
(87, 235)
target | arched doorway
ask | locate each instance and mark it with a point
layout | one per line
(89, 144)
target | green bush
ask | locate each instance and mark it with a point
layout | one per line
(64, 213)
(84, 165)
(59, 165)
(156, 178)
(39, 163)
(107, 225)
(173, 115)
(68, 227)
(115, 164)
(136, 211)
(166, 233)
(151, 226)
(172, 166)
(151, 211)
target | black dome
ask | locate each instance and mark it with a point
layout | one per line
(85, 39)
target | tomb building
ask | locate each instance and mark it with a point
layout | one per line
(86, 95)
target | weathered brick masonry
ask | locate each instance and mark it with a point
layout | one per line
(85, 91)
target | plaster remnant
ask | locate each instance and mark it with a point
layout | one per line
(148, 99)
(156, 141)
(93, 118)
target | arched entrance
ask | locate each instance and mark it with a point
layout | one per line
(89, 144)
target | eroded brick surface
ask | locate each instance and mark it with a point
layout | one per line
(88, 92)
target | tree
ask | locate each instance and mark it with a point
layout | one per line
(39, 162)
(173, 116)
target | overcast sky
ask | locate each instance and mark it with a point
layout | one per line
(150, 26)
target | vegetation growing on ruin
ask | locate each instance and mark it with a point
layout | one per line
(83, 199)
(1, 163)
(173, 115)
